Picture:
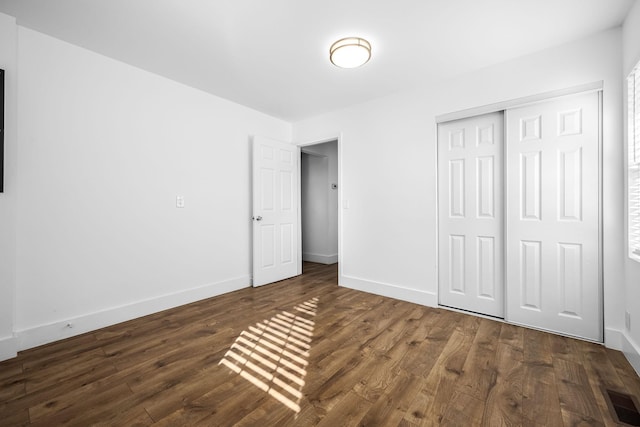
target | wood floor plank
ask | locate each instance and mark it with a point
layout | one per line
(464, 410)
(441, 381)
(240, 404)
(431, 363)
(10, 368)
(602, 375)
(15, 417)
(479, 372)
(416, 414)
(77, 386)
(371, 361)
(137, 417)
(275, 415)
(512, 335)
(76, 412)
(623, 368)
(386, 365)
(425, 354)
(504, 402)
(392, 405)
(13, 383)
(347, 412)
(570, 418)
(577, 399)
(326, 393)
(177, 393)
(540, 400)
(396, 330)
(67, 370)
(560, 347)
(54, 353)
(204, 407)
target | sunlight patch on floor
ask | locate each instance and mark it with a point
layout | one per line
(272, 355)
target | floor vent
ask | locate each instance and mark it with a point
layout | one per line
(624, 407)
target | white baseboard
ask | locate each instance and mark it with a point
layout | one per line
(621, 341)
(44, 334)
(613, 338)
(319, 258)
(631, 350)
(429, 299)
(8, 348)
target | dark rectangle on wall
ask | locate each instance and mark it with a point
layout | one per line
(1, 131)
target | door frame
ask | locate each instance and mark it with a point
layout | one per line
(309, 143)
(597, 86)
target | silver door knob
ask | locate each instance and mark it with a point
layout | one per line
(257, 218)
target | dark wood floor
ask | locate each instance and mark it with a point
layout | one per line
(305, 352)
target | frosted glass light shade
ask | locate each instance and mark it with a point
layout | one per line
(350, 52)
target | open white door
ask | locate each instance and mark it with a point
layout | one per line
(275, 210)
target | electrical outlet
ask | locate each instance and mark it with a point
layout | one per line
(179, 201)
(627, 320)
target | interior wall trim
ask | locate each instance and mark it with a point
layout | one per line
(631, 350)
(519, 102)
(415, 296)
(320, 258)
(44, 334)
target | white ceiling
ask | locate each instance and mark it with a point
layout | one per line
(272, 55)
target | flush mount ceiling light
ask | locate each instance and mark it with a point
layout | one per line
(350, 52)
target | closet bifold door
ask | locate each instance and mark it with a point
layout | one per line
(552, 216)
(470, 214)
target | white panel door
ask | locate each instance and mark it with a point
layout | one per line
(552, 201)
(275, 210)
(470, 182)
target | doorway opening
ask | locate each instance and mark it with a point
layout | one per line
(319, 200)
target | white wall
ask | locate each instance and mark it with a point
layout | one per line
(104, 149)
(8, 62)
(388, 168)
(631, 56)
(320, 203)
(631, 39)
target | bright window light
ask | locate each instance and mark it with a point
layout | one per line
(633, 171)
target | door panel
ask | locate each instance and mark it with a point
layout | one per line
(530, 178)
(487, 267)
(552, 216)
(275, 211)
(486, 186)
(457, 264)
(470, 214)
(531, 273)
